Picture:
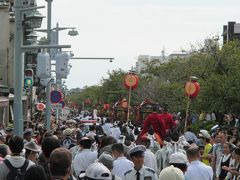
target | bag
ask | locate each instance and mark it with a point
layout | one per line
(16, 173)
(67, 142)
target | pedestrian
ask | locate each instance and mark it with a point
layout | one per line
(32, 150)
(139, 172)
(48, 145)
(107, 160)
(85, 156)
(196, 169)
(205, 137)
(35, 172)
(60, 162)
(15, 160)
(149, 158)
(171, 173)
(179, 160)
(96, 171)
(121, 164)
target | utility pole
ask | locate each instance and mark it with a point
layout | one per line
(48, 87)
(18, 70)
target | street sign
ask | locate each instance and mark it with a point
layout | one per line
(40, 106)
(56, 106)
(55, 97)
(62, 103)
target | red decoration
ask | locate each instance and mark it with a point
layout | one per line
(192, 88)
(106, 106)
(87, 101)
(40, 106)
(131, 81)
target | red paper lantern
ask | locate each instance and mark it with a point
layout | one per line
(131, 81)
(106, 106)
(192, 88)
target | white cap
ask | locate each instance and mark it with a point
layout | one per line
(205, 133)
(138, 148)
(67, 132)
(178, 158)
(98, 171)
(171, 173)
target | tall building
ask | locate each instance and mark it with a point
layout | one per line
(143, 59)
(5, 62)
(141, 62)
(231, 32)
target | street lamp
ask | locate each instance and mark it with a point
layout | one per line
(34, 19)
(32, 37)
(72, 32)
(110, 59)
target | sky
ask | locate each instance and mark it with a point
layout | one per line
(125, 29)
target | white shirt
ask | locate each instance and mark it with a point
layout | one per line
(83, 160)
(91, 134)
(116, 133)
(150, 160)
(120, 166)
(107, 129)
(145, 173)
(199, 171)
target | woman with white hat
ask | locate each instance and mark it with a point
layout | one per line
(32, 150)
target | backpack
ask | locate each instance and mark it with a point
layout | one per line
(16, 173)
(67, 142)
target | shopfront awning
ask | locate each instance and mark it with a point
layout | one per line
(3, 101)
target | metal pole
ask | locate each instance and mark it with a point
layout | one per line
(18, 69)
(129, 106)
(58, 79)
(48, 87)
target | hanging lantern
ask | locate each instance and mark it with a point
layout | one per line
(106, 106)
(131, 81)
(192, 88)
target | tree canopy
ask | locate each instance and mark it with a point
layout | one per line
(217, 70)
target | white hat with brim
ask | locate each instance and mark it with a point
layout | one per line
(205, 133)
(138, 148)
(178, 158)
(32, 146)
(98, 171)
(171, 173)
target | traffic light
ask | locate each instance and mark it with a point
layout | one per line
(43, 65)
(62, 68)
(28, 78)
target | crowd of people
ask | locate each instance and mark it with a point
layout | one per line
(159, 149)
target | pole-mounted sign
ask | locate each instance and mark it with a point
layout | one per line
(55, 96)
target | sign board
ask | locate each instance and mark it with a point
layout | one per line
(56, 106)
(55, 96)
(62, 103)
(40, 106)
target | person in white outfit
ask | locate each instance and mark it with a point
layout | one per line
(149, 158)
(85, 157)
(196, 169)
(139, 172)
(121, 164)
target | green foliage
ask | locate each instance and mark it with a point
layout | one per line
(217, 70)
